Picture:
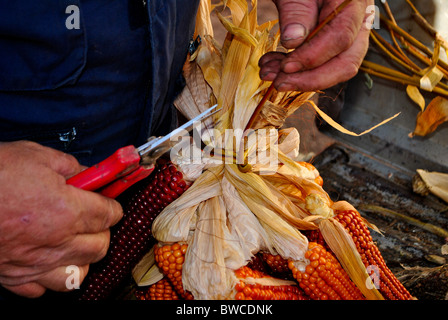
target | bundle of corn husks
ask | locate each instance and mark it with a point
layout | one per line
(254, 223)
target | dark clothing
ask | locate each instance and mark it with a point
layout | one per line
(91, 90)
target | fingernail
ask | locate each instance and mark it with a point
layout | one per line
(293, 32)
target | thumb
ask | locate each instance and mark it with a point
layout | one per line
(297, 18)
(58, 161)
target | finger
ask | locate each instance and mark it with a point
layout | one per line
(64, 279)
(270, 67)
(334, 38)
(297, 18)
(85, 249)
(96, 212)
(28, 290)
(80, 250)
(268, 57)
(63, 163)
(339, 69)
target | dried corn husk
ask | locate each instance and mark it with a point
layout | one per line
(416, 96)
(247, 203)
(434, 115)
(345, 250)
(426, 182)
(243, 223)
(289, 142)
(144, 276)
(212, 254)
(176, 220)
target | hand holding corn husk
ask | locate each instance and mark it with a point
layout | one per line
(245, 207)
(328, 59)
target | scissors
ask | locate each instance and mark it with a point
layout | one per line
(129, 164)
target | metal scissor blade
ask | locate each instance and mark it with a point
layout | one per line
(204, 115)
(162, 144)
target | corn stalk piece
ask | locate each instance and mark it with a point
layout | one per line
(421, 69)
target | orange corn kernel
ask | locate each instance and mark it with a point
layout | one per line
(324, 278)
(161, 290)
(390, 287)
(311, 167)
(258, 291)
(170, 259)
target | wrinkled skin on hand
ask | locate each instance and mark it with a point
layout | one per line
(334, 55)
(45, 224)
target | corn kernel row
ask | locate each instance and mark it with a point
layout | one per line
(324, 278)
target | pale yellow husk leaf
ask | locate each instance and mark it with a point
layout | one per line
(205, 272)
(146, 271)
(340, 128)
(416, 96)
(174, 223)
(274, 211)
(243, 223)
(435, 182)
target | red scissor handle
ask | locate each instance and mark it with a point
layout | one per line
(117, 187)
(122, 162)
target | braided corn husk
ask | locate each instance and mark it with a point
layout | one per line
(229, 214)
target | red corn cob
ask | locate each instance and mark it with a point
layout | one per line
(131, 238)
(315, 236)
(257, 263)
(277, 265)
(324, 278)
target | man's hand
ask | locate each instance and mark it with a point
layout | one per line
(45, 224)
(332, 56)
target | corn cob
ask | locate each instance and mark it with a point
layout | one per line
(390, 287)
(324, 278)
(131, 238)
(170, 259)
(259, 291)
(278, 267)
(316, 236)
(161, 290)
(257, 263)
